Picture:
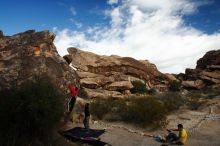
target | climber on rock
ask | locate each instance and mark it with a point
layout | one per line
(72, 100)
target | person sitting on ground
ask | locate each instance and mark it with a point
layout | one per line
(87, 116)
(72, 101)
(174, 139)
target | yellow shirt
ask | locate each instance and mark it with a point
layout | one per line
(183, 136)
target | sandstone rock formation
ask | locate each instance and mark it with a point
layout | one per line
(207, 72)
(197, 84)
(26, 55)
(101, 75)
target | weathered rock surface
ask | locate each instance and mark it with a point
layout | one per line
(207, 71)
(122, 85)
(197, 84)
(113, 73)
(26, 55)
(101, 93)
(211, 58)
(171, 77)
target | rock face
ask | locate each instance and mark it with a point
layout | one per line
(26, 55)
(197, 84)
(113, 73)
(207, 72)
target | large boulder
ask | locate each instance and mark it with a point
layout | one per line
(113, 73)
(31, 54)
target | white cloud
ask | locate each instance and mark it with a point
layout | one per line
(73, 10)
(146, 29)
(76, 23)
(111, 2)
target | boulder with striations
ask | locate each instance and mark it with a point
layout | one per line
(113, 73)
(206, 73)
(26, 55)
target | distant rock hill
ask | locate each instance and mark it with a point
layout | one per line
(31, 54)
(206, 73)
(112, 75)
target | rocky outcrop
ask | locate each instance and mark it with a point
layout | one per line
(211, 58)
(206, 73)
(171, 77)
(120, 86)
(113, 73)
(197, 84)
(101, 93)
(31, 54)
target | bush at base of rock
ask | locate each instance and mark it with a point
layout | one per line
(100, 107)
(152, 91)
(175, 86)
(172, 100)
(142, 111)
(138, 87)
(30, 114)
(82, 93)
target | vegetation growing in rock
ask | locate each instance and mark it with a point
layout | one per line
(152, 91)
(82, 93)
(139, 87)
(175, 86)
(30, 114)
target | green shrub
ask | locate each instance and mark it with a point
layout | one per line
(175, 85)
(82, 93)
(152, 91)
(161, 78)
(100, 107)
(139, 87)
(172, 100)
(30, 114)
(142, 111)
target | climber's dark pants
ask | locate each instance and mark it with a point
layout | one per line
(86, 122)
(71, 104)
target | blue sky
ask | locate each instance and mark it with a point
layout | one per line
(20, 15)
(172, 34)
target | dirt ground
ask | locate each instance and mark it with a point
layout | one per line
(203, 128)
(206, 135)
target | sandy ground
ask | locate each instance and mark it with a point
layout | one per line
(203, 129)
(207, 135)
